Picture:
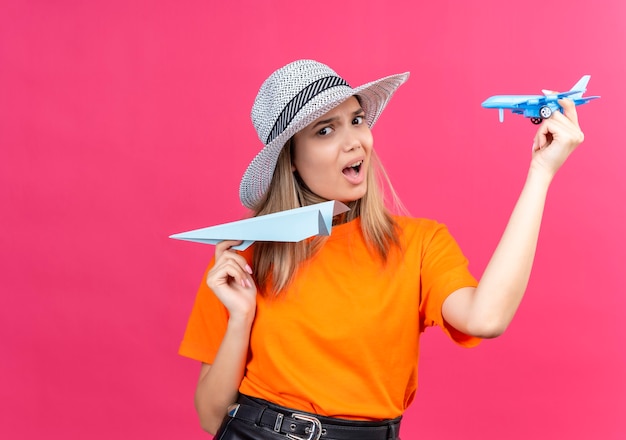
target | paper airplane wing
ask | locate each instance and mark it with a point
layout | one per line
(288, 226)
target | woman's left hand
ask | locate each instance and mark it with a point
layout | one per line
(557, 137)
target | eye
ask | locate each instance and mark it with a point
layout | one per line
(325, 131)
(358, 120)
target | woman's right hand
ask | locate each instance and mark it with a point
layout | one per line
(231, 281)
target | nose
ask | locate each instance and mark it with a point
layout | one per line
(351, 141)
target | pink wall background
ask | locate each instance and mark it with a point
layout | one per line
(124, 122)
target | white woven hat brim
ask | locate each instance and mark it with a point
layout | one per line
(374, 96)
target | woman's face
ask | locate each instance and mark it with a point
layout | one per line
(332, 154)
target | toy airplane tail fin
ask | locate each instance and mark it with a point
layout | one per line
(580, 86)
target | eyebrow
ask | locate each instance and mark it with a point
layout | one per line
(329, 120)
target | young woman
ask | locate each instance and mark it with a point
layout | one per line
(320, 339)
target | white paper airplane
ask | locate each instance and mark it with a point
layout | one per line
(288, 226)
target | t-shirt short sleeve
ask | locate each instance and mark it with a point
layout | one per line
(206, 326)
(444, 270)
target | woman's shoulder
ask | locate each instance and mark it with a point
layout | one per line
(420, 229)
(416, 223)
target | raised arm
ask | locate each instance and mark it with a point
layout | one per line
(218, 385)
(487, 310)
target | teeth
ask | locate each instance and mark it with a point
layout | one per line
(356, 164)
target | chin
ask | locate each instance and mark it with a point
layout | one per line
(353, 198)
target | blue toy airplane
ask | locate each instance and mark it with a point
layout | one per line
(538, 107)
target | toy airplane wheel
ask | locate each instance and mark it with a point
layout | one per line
(536, 120)
(545, 112)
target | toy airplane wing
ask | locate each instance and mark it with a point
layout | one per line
(585, 100)
(543, 100)
(287, 226)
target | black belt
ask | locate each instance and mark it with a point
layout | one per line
(298, 425)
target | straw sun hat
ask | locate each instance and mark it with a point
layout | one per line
(293, 97)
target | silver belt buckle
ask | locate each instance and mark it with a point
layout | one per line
(315, 431)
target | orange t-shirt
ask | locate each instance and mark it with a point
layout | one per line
(344, 340)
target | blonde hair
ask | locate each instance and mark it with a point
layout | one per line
(275, 264)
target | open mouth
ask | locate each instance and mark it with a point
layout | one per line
(353, 170)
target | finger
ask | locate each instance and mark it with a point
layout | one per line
(569, 110)
(225, 245)
(565, 125)
(228, 271)
(223, 248)
(541, 136)
(229, 254)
